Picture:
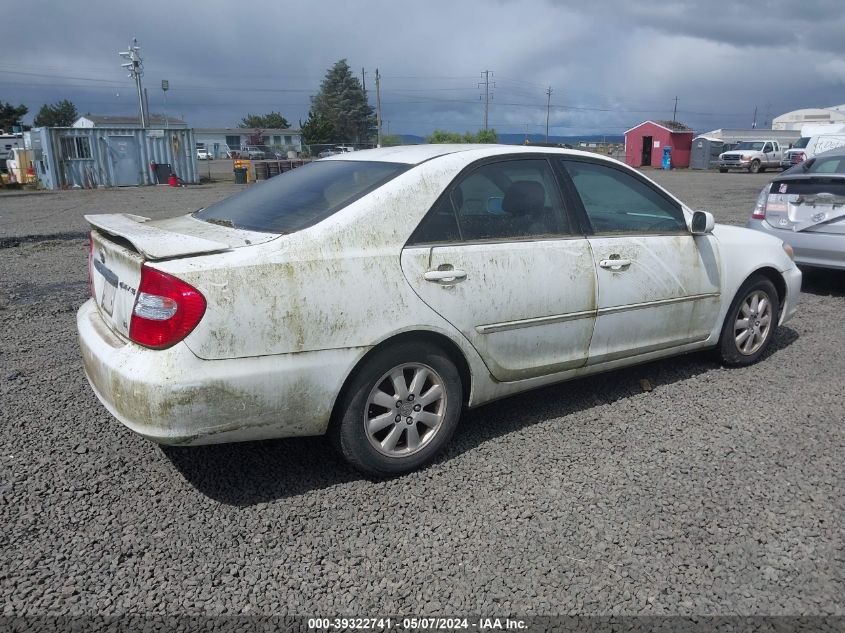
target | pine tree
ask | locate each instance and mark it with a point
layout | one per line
(61, 114)
(342, 106)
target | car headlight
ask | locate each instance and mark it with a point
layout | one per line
(746, 158)
(790, 252)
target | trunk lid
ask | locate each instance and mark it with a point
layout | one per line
(121, 243)
(810, 204)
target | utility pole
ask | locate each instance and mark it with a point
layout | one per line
(754, 122)
(548, 107)
(675, 111)
(147, 105)
(165, 86)
(135, 66)
(378, 108)
(486, 84)
(364, 80)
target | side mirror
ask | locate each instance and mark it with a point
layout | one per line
(702, 223)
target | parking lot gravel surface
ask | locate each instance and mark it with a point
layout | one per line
(676, 487)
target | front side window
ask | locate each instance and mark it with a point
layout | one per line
(511, 199)
(301, 197)
(618, 202)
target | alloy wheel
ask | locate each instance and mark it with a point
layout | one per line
(753, 323)
(405, 410)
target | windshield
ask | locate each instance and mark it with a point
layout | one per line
(752, 145)
(801, 142)
(301, 197)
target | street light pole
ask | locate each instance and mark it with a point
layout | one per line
(165, 86)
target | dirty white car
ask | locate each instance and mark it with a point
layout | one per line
(374, 295)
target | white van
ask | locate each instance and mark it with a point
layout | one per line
(822, 143)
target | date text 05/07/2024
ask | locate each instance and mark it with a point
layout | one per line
(417, 623)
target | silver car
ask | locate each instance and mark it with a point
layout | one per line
(805, 207)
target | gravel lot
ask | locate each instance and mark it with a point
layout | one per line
(718, 492)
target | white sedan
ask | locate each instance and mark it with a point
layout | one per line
(375, 295)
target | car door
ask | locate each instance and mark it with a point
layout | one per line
(658, 285)
(768, 153)
(498, 258)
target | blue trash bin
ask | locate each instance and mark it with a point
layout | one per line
(667, 157)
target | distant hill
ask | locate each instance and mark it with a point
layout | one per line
(519, 139)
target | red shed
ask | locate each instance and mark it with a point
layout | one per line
(644, 143)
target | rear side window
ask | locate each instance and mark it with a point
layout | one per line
(617, 202)
(505, 200)
(301, 197)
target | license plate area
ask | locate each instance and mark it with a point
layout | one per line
(109, 287)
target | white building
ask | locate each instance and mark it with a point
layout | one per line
(219, 140)
(797, 119)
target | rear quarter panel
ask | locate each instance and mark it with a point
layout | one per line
(337, 284)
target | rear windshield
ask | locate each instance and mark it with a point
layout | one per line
(301, 197)
(821, 165)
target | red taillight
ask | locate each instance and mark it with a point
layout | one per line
(166, 310)
(759, 212)
(91, 264)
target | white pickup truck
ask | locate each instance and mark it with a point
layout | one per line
(753, 156)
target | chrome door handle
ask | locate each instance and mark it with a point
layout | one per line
(615, 264)
(445, 276)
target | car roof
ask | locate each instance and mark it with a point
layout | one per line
(416, 154)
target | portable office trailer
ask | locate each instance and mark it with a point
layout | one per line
(735, 135)
(111, 157)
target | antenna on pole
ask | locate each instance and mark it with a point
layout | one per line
(754, 122)
(675, 111)
(135, 65)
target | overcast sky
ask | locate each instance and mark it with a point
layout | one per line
(610, 63)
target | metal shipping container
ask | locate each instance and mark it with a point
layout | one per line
(112, 157)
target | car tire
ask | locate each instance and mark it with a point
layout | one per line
(383, 432)
(723, 170)
(749, 328)
(754, 167)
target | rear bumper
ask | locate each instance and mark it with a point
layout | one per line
(824, 250)
(172, 397)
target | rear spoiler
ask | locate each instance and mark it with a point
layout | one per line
(151, 241)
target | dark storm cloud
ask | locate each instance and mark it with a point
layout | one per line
(611, 64)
